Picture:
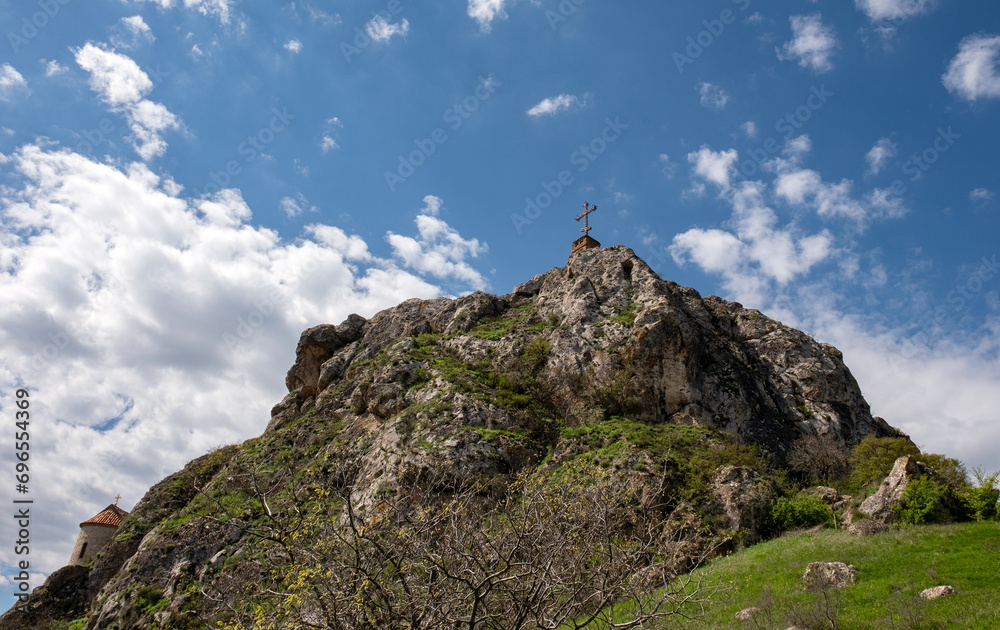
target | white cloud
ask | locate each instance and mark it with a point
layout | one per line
(895, 9)
(750, 129)
(335, 122)
(294, 206)
(878, 155)
(128, 32)
(975, 71)
(981, 195)
(555, 104)
(717, 167)
(812, 45)
(122, 84)
(328, 144)
(485, 11)
(10, 82)
(178, 316)
(381, 30)
(53, 68)
(712, 96)
(293, 46)
(668, 166)
(439, 250)
(754, 251)
(218, 8)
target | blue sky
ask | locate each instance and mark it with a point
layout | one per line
(185, 185)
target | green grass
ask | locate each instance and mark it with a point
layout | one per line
(893, 568)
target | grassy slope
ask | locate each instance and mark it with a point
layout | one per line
(893, 568)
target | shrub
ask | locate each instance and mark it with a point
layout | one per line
(821, 459)
(951, 470)
(923, 502)
(801, 511)
(873, 458)
(980, 502)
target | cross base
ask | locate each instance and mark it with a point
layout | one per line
(584, 243)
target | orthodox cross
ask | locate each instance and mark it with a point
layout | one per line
(587, 209)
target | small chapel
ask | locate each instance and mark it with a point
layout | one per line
(96, 532)
(585, 242)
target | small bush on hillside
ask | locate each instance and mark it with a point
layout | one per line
(801, 511)
(950, 469)
(923, 501)
(980, 501)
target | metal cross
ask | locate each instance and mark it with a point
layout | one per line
(587, 209)
(117, 496)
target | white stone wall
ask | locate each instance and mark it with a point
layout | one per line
(95, 537)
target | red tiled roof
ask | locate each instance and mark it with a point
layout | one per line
(111, 515)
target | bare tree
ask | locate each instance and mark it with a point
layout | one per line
(573, 548)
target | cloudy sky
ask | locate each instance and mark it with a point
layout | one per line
(185, 185)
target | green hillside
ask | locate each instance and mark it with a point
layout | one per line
(893, 568)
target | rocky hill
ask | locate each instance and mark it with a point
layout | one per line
(680, 407)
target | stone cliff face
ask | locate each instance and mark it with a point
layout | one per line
(481, 387)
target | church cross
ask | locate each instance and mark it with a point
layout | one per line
(587, 209)
(117, 496)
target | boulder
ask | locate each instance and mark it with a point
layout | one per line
(823, 576)
(743, 498)
(867, 528)
(881, 506)
(747, 613)
(937, 591)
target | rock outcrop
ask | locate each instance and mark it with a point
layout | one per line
(882, 505)
(685, 400)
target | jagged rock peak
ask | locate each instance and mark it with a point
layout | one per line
(607, 315)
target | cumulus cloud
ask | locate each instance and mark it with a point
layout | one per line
(895, 9)
(381, 30)
(755, 250)
(712, 96)
(438, 250)
(160, 326)
(555, 104)
(293, 46)
(11, 81)
(122, 84)
(884, 150)
(975, 71)
(750, 129)
(485, 11)
(812, 43)
(717, 167)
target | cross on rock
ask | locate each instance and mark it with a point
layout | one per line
(587, 209)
